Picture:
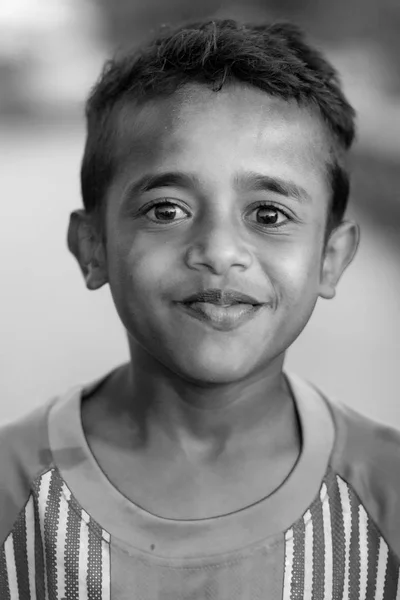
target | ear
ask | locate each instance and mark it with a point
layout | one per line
(85, 243)
(340, 250)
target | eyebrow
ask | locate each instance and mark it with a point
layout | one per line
(152, 181)
(245, 181)
(257, 182)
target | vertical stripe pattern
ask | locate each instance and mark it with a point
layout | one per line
(30, 547)
(326, 518)
(287, 584)
(381, 574)
(4, 583)
(55, 550)
(373, 547)
(51, 519)
(354, 591)
(11, 567)
(297, 587)
(340, 527)
(363, 542)
(39, 551)
(20, 551)
(335, 552)
(346, 511)
(308, 556)
(318, 573)
(71, 554)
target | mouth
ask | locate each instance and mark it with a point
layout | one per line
(224, 310)
(221, 298)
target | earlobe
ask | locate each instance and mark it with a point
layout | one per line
(87, 247)
(95, 275)
(340, 250)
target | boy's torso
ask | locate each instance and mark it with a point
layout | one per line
(332, 531)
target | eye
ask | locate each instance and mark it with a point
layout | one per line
(270, 215)
(165, 212)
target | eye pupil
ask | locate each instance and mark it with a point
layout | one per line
(268, 216)
(165, 212)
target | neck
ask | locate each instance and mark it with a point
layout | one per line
(155, 406)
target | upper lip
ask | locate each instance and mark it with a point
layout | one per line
(221, 297)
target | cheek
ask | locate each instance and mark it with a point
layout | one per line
(138, 270)
(135, 278)
(295, 276)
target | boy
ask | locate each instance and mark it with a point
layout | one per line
(214, 182)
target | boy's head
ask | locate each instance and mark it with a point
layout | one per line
(216, 158)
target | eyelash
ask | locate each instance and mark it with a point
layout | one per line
(261, 204)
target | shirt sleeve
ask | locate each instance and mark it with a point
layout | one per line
(24, 454)
(367, 457)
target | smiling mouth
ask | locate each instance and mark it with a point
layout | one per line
(221, 297)
(224, 317)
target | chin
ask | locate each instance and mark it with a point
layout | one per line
(220, 370)
(206, 377)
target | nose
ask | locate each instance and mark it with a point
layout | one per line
(217, 247)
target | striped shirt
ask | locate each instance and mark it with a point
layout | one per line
(330, 532)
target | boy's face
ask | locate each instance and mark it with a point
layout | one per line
(246, 210)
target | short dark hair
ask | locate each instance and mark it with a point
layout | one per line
(272, 57)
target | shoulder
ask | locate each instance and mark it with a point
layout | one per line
(362, 443)
(366, 455)
(24, 456)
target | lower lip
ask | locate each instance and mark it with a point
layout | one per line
(224, 318)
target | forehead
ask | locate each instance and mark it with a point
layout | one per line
(241, 124)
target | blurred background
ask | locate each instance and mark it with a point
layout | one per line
(54, 333)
